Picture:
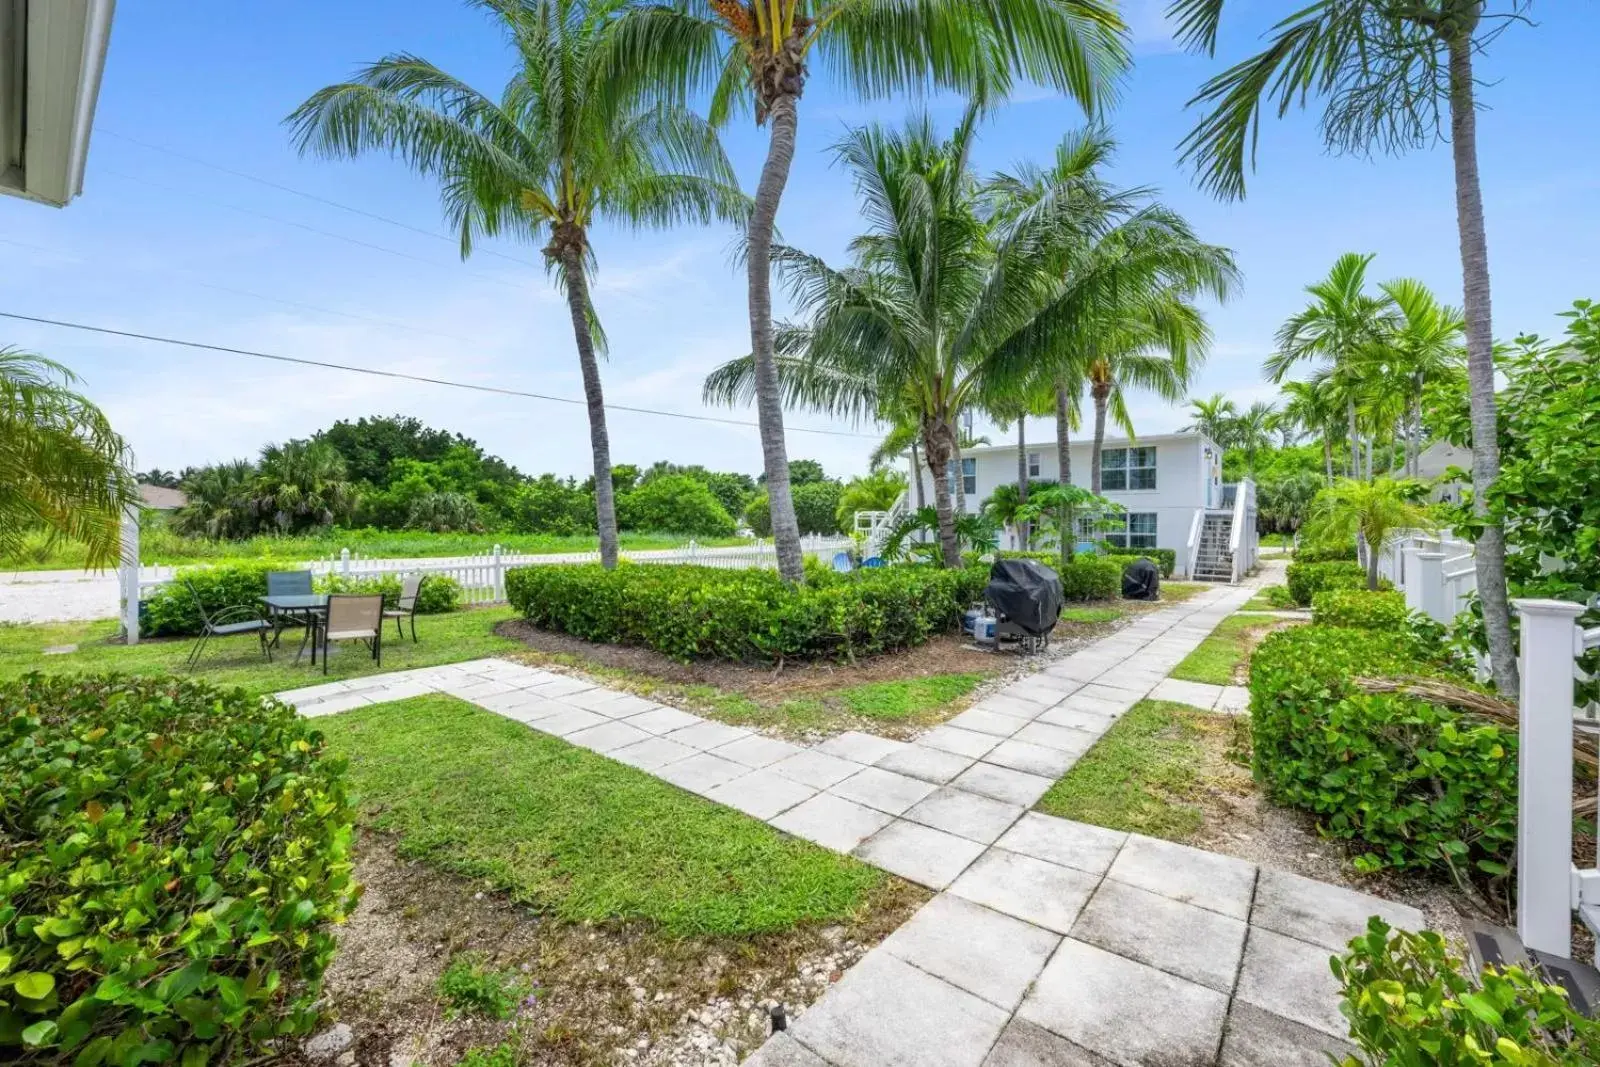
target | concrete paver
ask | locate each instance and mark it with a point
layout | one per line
(1221, 883)
(983, 952)
(1041, 893)
(1002, 783)
(919, 853)
(1180, 939)
(965, 814)
(832, 822)
(1061, 841)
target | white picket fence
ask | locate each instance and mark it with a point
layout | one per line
(1437, 572)
(482, 577)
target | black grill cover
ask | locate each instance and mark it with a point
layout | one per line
(1027, 593)
(1141, 581)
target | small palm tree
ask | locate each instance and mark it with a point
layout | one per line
(218, 501)
(1058, 508)
(875, 48)
(1424, 346)
(1311, 406)
(559, 150)
(1213, 417)
(302, 485)
(1252, 432)
(1351, 508)
(1395, 76)
(61, 464)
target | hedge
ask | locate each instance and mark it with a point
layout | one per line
(1165, 558)
(1361, 609)
(1308, 579)
(1326, 553)
(1086, 577)
(1410, 783)
(174, 857)
(171, 610)
(746, 615)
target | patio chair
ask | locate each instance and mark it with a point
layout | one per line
(872, 561)
(406, 606)
(288, 583)
(353, 618)
(229, 622)
(842, 562)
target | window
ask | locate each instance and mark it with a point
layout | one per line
(1131, 529)
(969, 477)
(1033, 464)
(1128, 468)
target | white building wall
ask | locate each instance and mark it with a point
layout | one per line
(1188, 479)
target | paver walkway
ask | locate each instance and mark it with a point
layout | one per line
(1051, 942)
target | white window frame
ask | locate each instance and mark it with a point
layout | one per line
(1033, 464)
(969, 475)
(1119, 461)
(1117, 530)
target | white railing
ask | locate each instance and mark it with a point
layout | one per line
(1192, 546)
(483, 577)
(1436, 572)
(1244, 541)
(1550, 887)
(878, 524)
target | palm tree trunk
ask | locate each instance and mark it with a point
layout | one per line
(1372, 566)
(939, 442)
(1022, 479)
(960, 479)
(1491, 548)
(1355, 439)
(1102, 395)
(916, 478)
(1327, 457)
(605, 507)
(1063, 436)
(769, 405)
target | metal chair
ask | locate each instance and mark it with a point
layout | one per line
(287, 583)
(227, 623)
(842, 562)
(406, 606)
(353, 618)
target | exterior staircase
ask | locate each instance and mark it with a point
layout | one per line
(1214, 562)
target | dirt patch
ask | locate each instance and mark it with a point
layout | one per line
(601, 995)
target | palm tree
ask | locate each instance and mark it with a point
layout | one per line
(1016, 408)
(302, 485)
(1424, 345)
(218, 501)
(558, 151)
(1252, 432)
(1312, 407)
(61, 464)
(1156, 347)
(1390, 74)
(1370, 510)
(1341, 323)
(1214, 418)
(876, 48)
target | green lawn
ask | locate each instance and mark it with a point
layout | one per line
(576, 835)
(1148, 772)
(1271, 598)
(460, 635)
(158, 545)
(1220, 656)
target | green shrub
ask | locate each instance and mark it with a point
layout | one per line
(746, 615)
(1308, 579)
(1165, 558)
(469, 986)
(816, 508)
(1326, 552)
(1411, 1001)
(1408, 782)
(1360, 609)
(440, 592)
(502, 1055)
(674, 503)
(171, 610)
(174, 855)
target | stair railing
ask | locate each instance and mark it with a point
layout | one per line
(1192, 546)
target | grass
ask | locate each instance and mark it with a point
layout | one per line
(1220, 658)
(451, 638)
(1092, 616)
(576, 835)
(899, 701)
(159, 545)
(1271, 598)
(1178, 592)
(470, 986)
(1150, 771)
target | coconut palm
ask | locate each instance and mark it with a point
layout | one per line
(1038, 399)
(1342, 322)
(1155, 345)
(875, 48)
(1213, 418)
(1423, 346)
(1395, 77)
(218, 499)
(302, 485)
(560, 150)
(61, 464)
(1370, 510)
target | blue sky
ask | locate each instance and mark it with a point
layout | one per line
(164, 245)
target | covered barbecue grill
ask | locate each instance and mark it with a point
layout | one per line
(1026, 598)
(1141, 581)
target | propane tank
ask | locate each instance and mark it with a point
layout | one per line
(970, 617)
(984, 627)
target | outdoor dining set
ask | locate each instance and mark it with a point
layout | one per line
(291, 603)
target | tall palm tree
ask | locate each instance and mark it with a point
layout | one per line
(1369, 510)
(560, 150)
(62, 466)
(876, 48)
(1312, 407)
(1037, 399)
(1214, 418)
(1390, 74)
(1340, 324)
(302, 485)
(1423, 346)
(1252, 432)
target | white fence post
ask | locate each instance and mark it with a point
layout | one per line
(1410, 574)
(1549, 640)
(344, 562)
(499, 576)
(128, 575)
(1430, 579)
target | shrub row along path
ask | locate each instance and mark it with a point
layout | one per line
(84, 596)
(1050, 942)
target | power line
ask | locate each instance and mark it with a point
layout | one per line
(314, 197)
(499, 390)
(303, 226)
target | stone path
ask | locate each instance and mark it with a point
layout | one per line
(1051, 942)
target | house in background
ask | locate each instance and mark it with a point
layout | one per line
(160, 498)
(1169, 484)
(52, 54)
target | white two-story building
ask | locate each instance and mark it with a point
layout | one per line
(1168, 484)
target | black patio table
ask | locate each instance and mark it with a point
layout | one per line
(311, 606)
